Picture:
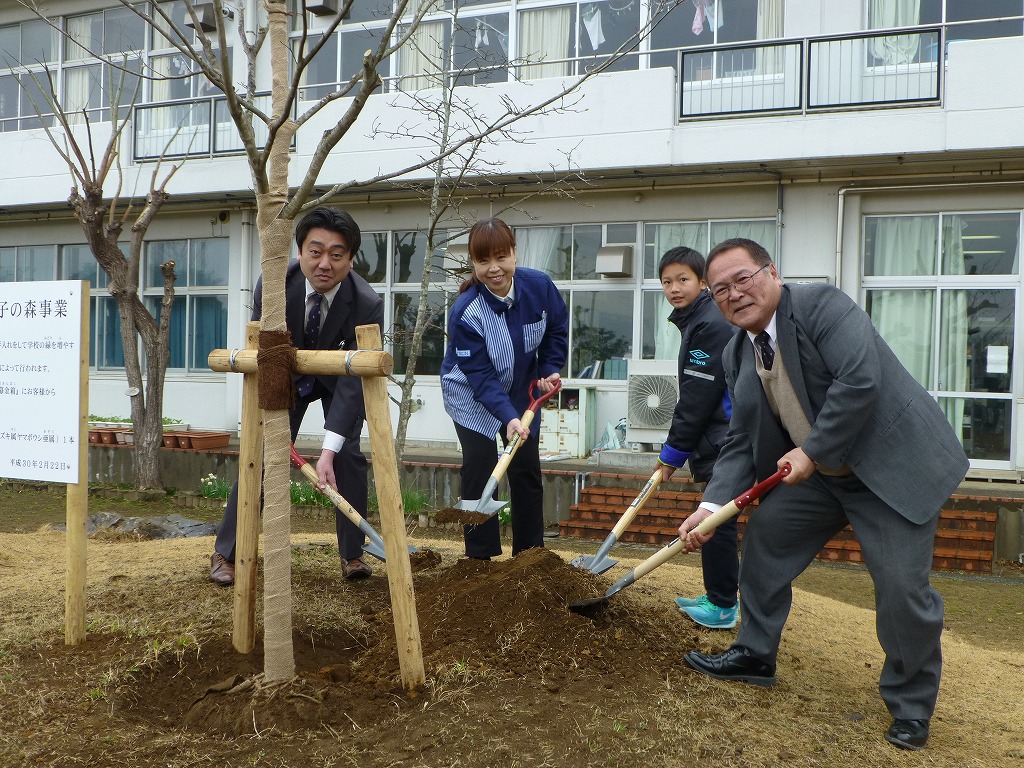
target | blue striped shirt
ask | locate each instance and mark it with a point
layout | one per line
(495, 351)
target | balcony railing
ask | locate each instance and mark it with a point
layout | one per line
(192, 127)
(897, 67)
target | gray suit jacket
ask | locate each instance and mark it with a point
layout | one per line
(865, 409)
(356, 303)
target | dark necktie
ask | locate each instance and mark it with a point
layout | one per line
(310, 337)
(764, 346)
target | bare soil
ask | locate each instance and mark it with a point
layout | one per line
(514, 677)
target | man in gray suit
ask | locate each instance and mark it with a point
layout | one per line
(813, 385)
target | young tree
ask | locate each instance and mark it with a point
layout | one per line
(89, 142)
(266, 135)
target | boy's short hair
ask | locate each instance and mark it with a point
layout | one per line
(685, 256)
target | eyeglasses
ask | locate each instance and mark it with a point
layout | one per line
(741, 283)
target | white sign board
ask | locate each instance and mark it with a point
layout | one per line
(40, 338)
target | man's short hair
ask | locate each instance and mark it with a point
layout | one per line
(685, 256)
(757, 252)
(333, 220)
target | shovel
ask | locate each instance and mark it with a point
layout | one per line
(600, 562)
(595, 604)
(475, 511)
(375, 544)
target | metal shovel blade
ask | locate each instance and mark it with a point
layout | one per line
(484, 506)
(373, 548)
(594, 563)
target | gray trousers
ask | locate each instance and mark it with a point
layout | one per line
(788, 529)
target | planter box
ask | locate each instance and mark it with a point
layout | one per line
(108, 436)
(184, 440)
(170, 440)
(204, 441)
(94, 436)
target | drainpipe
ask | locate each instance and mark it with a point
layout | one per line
(778, 218)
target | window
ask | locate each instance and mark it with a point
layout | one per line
(199, 314)
(965, 20)
(329, 67)
(106, 350)
(720, 22)
(659, 338)
(601, 311)
(89, 84)
(28, 262)
(942, 291)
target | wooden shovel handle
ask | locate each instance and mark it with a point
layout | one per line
(336, 498)
(526, 420)
(712, 521)
(638, 503)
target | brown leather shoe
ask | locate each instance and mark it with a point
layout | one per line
(222, 573)
(355, 569)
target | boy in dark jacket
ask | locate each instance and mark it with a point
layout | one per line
(700, 422)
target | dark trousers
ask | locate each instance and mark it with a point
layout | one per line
(350, 471)
(787, 530)
(720, 563)
(479, 457)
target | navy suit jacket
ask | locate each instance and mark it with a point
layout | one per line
(866, 410)
(355, 303)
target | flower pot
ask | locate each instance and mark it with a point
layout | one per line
(108, 437)
(129, 438)
(209, 440)
(170, 440)
(94, 436)
(184, 441)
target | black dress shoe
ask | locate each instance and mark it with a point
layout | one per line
(736, 663)
(908, 734)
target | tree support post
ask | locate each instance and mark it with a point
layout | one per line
(392, 517)
(250, 480)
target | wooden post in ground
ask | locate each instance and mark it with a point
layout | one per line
(392, 518)
(373, 365)
(250, 478)
(77, 500)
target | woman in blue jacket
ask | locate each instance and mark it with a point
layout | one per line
(508, 327)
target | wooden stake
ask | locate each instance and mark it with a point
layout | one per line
(325, 362)
(250, 479)
(77, 500)
(392, 518)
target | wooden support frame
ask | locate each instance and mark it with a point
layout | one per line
(373, 365)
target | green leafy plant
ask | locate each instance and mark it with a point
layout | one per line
(414, 501)
(305, 495)
(213, 487)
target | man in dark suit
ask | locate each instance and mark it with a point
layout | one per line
(813, 385)
(324, 302)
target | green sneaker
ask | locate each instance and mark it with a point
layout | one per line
(689, 602)
(709, 615)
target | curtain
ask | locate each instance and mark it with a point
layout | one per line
(905, 246)
(81, 37)
(79, 83)
(539, 248)
(769, 27)
(545, 35)
(905, 320)
(894, 49)
(421, 62)
(666, 236)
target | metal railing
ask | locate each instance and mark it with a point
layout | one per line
(895, 67)
(190, 128)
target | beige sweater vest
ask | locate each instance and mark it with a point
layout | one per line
(783, 401)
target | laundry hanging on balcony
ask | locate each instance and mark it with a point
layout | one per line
(592, 25)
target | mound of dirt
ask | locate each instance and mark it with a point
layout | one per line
(489, 622)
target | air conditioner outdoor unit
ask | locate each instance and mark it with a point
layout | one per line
(651, 395)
